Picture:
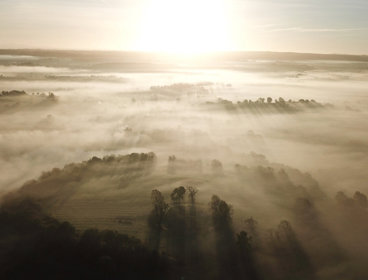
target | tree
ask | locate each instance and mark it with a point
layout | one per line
(192, 193)
(281, 100)
(177, 196)
(227, 252)
(156, 218)
(243, 241)
(251, 227)
(361, 199)
(160, 207)
(176, 225)
(221, 212)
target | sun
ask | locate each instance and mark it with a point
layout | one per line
(184, 26)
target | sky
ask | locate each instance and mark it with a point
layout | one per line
(316, 26)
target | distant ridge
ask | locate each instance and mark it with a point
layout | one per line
(264, 55)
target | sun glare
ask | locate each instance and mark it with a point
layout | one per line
(190, 26)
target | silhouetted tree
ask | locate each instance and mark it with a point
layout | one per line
(156, 219)
(225, 240)
(177, 196)
(361, 199)
(221, 214)
(251, 227)
(247, 263)
(176, 224)
(194, 258)
(243, 241)
(192, 193)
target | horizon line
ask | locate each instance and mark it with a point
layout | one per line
(183, 53)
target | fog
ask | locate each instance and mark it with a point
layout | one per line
(275, 144)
